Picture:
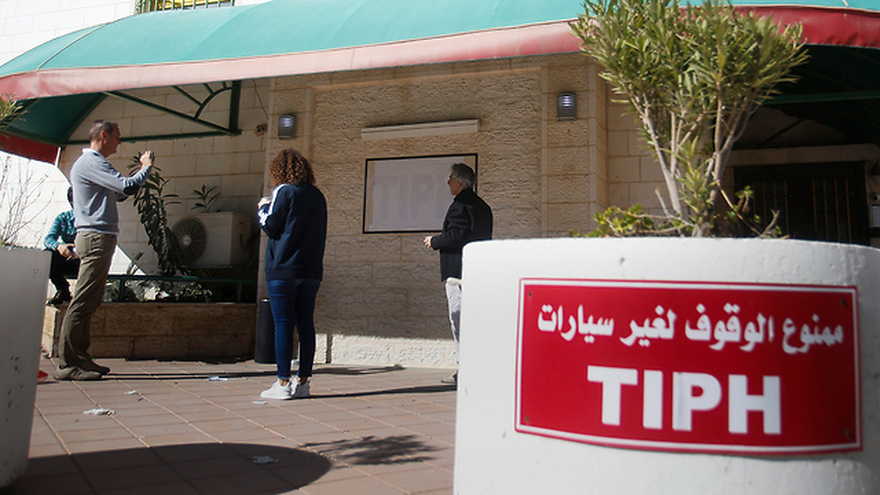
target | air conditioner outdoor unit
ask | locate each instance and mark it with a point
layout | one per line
(213, 240)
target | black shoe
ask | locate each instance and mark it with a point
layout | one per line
(59, 298)
(78, 374)
(90, 365)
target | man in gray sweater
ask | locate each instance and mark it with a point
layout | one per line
(97, 186)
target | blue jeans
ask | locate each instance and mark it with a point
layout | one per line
(293, 303)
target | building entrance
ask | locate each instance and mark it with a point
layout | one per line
(818, 202)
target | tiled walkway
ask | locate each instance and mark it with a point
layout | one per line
(178, 431)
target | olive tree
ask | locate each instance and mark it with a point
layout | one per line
(693, 76)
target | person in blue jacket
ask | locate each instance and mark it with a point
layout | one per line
(65, 262)
(295, 221)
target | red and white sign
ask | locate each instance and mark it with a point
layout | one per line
(689, 366)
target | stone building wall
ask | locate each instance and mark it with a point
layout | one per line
(633, 173)
(382, 299)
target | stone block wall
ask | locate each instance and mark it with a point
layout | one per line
(575, 174)
(382, 299)
(163, 330)
(25, 24)
(633, 172)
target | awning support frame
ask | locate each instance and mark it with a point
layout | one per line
(231, 130)
(83, 116)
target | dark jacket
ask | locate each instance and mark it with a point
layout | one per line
(468, 219)
(296, 223)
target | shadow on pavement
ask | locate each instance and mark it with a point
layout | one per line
(207, 467)
(427, 389)
(135, 375)
(374, 450)
(360, 370)
(185, 375)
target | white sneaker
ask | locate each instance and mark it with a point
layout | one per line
(301, 391)
(277, 391)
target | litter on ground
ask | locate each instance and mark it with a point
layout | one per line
(99, 411)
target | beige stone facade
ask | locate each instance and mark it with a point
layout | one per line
(162, 330)
(382, 298)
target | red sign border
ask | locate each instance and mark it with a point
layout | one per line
(650, 445)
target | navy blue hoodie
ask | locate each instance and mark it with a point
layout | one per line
(296, 223)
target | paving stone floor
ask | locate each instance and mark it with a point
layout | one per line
(365, 430)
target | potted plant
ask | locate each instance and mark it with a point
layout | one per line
(25, 274)
(604, 365)
(693, 78)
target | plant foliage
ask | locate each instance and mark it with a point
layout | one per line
(693, 76)
(151, 201)
(205, 198)
(9, 108)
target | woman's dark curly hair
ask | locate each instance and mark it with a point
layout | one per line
(290, 167)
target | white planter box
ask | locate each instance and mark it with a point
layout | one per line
(22, 293)
(496, 454)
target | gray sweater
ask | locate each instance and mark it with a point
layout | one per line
(97, 186)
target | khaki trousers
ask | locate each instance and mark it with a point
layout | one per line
(96, 252)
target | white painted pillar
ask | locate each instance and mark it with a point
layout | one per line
(22, 302)
(493, 457)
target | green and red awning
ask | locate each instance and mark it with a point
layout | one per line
(291, 37)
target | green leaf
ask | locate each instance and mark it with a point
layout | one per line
(690, 75)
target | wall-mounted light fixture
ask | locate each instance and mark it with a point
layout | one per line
(566, 106)
(286, 126)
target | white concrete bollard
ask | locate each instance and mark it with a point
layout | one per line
(22, 298)
(669, 366)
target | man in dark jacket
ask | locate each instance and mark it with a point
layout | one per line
(468, 219)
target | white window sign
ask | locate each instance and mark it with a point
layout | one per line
(409, 194)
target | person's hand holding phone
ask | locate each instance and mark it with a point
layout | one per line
(147, 158)
(67, 250)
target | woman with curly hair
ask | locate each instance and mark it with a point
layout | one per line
(295, 220)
